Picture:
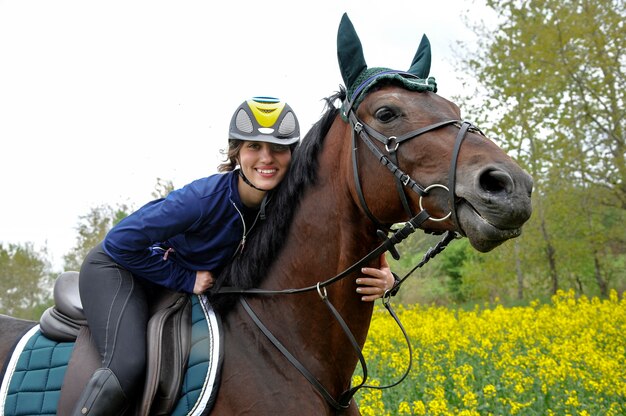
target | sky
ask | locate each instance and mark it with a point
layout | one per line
(98, 99)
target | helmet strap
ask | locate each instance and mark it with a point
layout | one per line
(265, 200)
(250, 183)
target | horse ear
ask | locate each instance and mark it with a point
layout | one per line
(349, 52)
(421, 62)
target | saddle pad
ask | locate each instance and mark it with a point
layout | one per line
(34, 376)
(200, 383)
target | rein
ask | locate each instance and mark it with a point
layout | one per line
(403, 180)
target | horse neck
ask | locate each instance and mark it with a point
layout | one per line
(328, 235)
(329, 219)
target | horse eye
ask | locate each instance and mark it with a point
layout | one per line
(385, 115)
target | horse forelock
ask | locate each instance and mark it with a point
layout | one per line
(249, 268)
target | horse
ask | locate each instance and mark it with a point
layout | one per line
(393, 152)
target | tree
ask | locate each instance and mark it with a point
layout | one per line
(92, 228)
(554, 74)
(25, 281)
(451, 264)
(426, 284)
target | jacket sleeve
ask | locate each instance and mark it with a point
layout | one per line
(129, 242)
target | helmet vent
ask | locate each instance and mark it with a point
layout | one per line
(243, 122)
(266, 110)
(288, 125)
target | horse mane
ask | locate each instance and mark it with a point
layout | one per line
(249, 268)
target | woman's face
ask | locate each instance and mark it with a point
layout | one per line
(264, 164)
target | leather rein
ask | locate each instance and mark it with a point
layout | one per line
(403, 181)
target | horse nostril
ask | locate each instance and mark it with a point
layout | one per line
(496, 181)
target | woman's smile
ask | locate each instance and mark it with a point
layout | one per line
(265, 166)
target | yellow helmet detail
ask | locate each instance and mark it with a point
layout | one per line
(266, 113)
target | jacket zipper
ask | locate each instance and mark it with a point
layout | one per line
(242, 243)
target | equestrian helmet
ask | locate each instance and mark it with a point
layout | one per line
(265, 119)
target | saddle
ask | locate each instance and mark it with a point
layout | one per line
(168, 346)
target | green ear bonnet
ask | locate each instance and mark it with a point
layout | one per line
(359, 79)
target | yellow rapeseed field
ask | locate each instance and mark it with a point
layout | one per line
(563, 358)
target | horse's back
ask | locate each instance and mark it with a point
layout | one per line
(11, 330)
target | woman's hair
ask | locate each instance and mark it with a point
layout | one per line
(231, 155)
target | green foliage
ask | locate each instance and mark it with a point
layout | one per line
(425, 285)
(25, 281)
(452, 264)
(25, 276)
(553, 79)
(92, 228)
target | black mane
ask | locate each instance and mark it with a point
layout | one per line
(247, 270)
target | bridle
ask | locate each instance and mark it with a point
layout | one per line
(390, 160)
(403, 181)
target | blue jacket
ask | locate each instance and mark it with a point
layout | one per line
(202, 222)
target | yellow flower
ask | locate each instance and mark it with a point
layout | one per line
(404, 408)
(572, 399)
(470, 400)
(569, 354)
(489, 391)
(437, 407)
(419, 408)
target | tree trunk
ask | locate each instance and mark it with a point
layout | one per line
(602, 284)
(518, 272)
(550, 253)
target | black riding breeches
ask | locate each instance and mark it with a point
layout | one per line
(115, 304)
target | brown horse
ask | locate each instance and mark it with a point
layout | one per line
(388, 156)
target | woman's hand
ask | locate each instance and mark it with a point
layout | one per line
(378, 281)
(204, 281)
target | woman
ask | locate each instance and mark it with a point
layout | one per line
(181, 242)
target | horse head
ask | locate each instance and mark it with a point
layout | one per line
(397, 118)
